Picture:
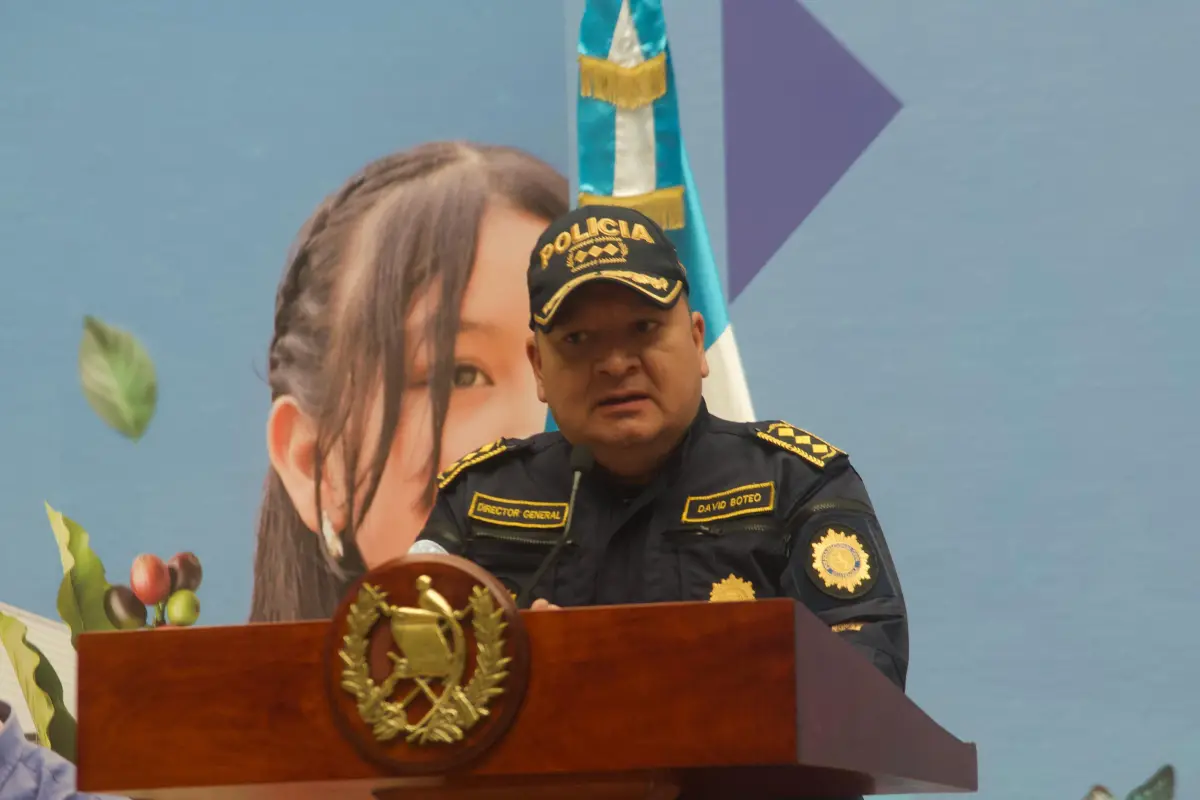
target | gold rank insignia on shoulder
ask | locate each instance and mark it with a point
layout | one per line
(731, 590)
(517, 513)
(841, 565)
(478, 456)
(812, 449)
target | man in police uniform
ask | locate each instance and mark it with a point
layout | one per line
(680, 505)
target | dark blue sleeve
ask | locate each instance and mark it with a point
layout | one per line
(840, 567)
(444, 527)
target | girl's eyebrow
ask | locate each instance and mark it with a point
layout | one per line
(422, 343)
(468, 325)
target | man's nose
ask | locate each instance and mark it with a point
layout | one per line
(617, 362)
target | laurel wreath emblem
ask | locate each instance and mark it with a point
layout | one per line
(457, 709)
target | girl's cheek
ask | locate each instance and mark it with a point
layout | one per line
(472, 423)
(413, 442)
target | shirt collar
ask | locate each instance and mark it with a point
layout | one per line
(693, 432)
(674, 463)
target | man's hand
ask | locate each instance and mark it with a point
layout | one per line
(542, 605)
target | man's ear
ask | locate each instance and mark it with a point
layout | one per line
(698, 340)
(535, 361)
(292, 449)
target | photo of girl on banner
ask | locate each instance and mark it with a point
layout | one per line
(399, 344)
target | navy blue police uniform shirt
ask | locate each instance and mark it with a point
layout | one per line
(741, 511)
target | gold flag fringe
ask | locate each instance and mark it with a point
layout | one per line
(664, 206)
(624, 87)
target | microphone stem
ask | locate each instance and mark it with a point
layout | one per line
(526, 600)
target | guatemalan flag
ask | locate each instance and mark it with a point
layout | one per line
(631, 154)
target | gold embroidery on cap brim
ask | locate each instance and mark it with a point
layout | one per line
(634, 280)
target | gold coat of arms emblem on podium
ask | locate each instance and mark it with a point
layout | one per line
(429, 662)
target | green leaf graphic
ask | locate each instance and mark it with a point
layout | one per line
(118, 378)
(81, 593)
(41, 688)
(1160, 786)
(62, 727)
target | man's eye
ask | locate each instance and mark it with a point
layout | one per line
(467, 376)
(646, 325)
(575, 337)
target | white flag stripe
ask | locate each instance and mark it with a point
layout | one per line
(636, 168)
(635, 172)
(725, 388)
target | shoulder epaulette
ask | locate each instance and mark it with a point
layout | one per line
(787, 436)
(478, 456)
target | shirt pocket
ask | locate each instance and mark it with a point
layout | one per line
(729, 559)
(513, 555)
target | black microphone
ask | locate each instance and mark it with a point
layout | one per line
(582, 461)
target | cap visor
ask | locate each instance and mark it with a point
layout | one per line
(659, 290)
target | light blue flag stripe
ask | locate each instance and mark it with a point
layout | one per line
(695, 251)
(597, 147)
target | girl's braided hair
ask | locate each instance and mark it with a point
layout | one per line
(340, 313)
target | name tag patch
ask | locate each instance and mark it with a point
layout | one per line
(517, 513)
(754, 498)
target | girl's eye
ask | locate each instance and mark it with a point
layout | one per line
(467, 376)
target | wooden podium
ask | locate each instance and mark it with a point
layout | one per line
(692, 700)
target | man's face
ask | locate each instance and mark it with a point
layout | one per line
(617, 370)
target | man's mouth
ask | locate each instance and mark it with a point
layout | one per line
(618, 399)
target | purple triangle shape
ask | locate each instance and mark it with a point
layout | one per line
(799, 111)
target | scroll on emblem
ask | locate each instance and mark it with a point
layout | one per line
(427, 652)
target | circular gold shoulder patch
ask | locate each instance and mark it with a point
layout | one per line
(841, 566)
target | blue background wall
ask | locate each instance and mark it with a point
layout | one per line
(155, 163)
(1008, 349)
(992, 311)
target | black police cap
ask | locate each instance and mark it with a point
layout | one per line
(602, 243)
